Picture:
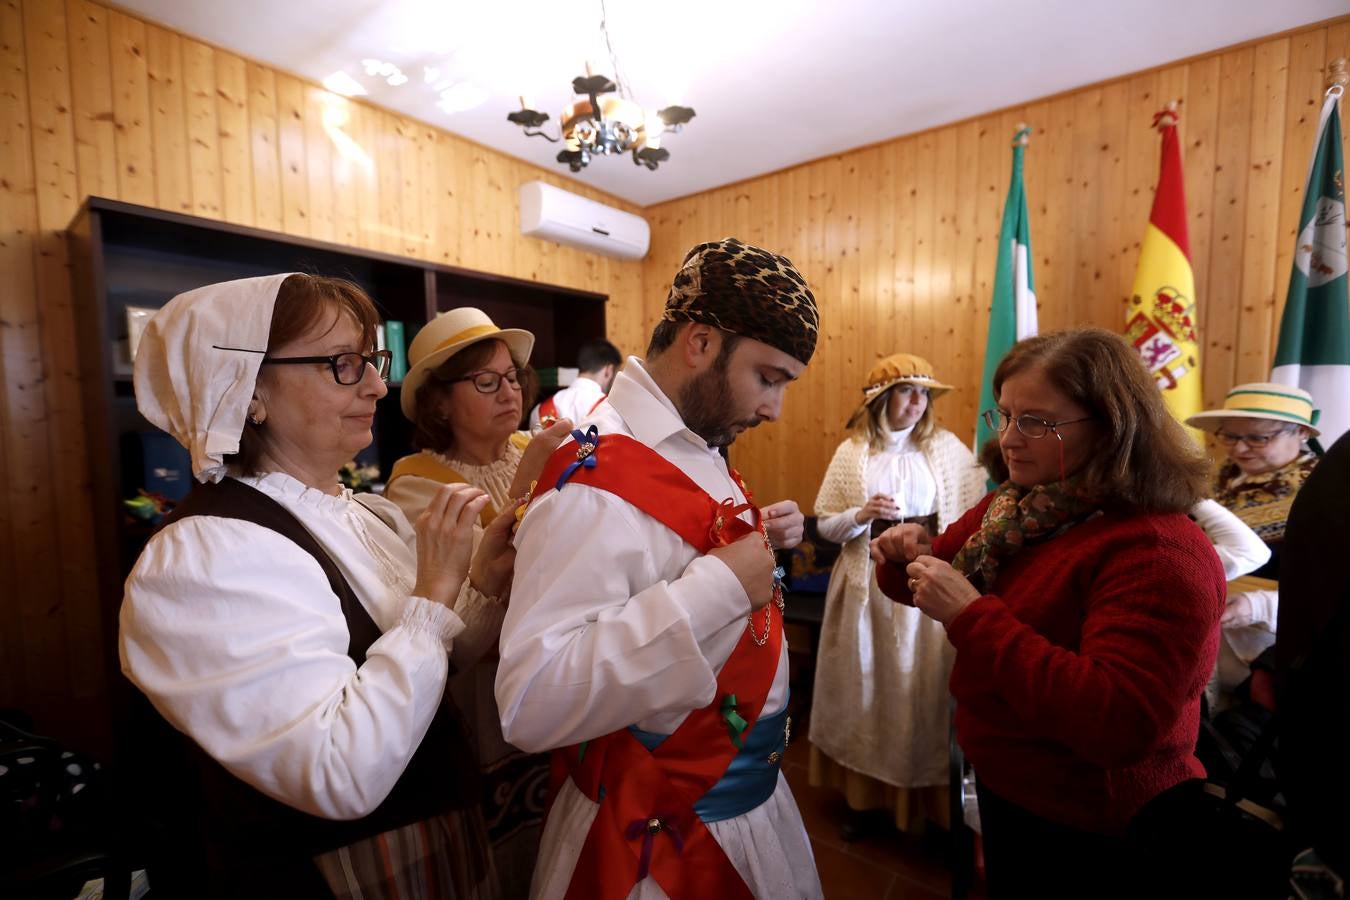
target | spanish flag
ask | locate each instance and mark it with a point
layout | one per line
(1161, 319)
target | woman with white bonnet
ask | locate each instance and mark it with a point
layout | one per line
(880, 724)
(298, 635)
(1264, 429)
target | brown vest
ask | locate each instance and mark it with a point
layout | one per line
(222, 837)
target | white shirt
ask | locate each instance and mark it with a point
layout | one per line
(1239, 549)
(575, 401)
(614, 621)
(899, 471)
(234, 634)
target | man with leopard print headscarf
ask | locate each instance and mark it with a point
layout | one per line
(644, 643)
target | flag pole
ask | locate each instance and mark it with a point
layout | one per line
(1012, 310)
(1337, 76)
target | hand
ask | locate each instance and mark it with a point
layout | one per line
(784, 523)
(901, 544)
(494, 563)
(752, 564)
(536, 455)
(878, 506)
(445, 541)
(1237, 612)
(939, 590)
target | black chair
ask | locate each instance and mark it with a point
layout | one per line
(56, 818)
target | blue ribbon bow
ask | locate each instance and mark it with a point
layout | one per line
(587, 443)
(648, 829)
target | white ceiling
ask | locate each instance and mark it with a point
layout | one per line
(774, 82)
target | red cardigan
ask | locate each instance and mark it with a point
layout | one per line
(1078, 678)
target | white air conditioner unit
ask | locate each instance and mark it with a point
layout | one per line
(555, 215)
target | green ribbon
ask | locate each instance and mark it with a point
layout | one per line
(581, 750)
(735, 724)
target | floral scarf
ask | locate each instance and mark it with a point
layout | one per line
(1262, 501)
(1018, 517)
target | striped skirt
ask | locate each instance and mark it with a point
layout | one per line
(446, 857)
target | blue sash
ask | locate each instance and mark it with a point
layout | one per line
(750, 779)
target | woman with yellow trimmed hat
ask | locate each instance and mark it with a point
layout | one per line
(880, 722)
(467, 387)
(1264, 429)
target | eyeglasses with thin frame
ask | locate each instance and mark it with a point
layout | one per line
(348, 368)
(1255, 441)
(1031, 426)
(486, 381)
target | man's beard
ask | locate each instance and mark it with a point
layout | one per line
(706, 407)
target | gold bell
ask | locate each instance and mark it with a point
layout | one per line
(653, 826)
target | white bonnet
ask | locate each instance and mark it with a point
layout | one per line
(192, 388)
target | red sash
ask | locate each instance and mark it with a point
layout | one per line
(548, 410)
(646, 824)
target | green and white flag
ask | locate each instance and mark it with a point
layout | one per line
(1013, 314)
(1314, 348)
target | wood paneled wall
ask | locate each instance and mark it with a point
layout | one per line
(96, 102)
(898, 239)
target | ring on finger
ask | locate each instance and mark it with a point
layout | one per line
(913, 585)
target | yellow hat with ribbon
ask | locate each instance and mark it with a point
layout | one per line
(1262, 400)
(898, 368)
(449, 333)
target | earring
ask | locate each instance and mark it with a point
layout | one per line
(254, 420)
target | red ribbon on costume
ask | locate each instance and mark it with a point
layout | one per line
(646, 824)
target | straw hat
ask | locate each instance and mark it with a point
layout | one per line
(896, 369)
(1262, 400)
(449, 333)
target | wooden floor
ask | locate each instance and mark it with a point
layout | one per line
(886, 866)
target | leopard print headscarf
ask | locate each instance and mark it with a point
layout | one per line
(747, 291)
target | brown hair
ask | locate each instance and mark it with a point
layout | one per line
(665, 332)
(1143, 459)
(991, 458)
(302, 302)
(431, 431)
(866, 422)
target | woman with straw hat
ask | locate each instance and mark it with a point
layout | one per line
(467, 387)
(1264, 429)
(880, 722)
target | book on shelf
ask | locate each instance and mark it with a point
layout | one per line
(398, 349)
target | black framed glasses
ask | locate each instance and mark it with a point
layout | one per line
(1255, 441)
(1030, 426)
(348, 368)
(486, 381)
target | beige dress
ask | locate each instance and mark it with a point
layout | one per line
(516, 783)
(880, 716)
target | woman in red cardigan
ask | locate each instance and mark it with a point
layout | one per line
(1084, 607)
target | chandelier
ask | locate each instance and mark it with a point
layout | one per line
(607, 127)
(604, 120)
